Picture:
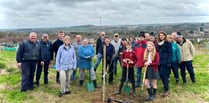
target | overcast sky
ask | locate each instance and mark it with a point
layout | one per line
(52, 13)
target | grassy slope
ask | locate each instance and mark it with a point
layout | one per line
(10, 84)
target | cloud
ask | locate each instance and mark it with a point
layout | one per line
(37, 13)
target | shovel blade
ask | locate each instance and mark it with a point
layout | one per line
(90, 87)
(126, 89)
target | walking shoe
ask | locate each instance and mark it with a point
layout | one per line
(116, 92)
(57, 81)
(166, 94)
(23, 90)
(68, 92)
(60, 94)
(134, 94)
(37, 83)
(137, 85)
(110, 83)
(177, 81)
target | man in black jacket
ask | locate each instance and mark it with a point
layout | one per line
(99, 49)
(56, 46)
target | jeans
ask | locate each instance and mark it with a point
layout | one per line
(174, 67)
(99, 58)
(115, 59)
(164, 75)
(139, 72)
(188, 65)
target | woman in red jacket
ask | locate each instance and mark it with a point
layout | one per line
(128, 58)
(151, 59)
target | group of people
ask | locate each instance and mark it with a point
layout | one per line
(158, 55)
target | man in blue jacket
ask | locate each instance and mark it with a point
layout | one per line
(46, 47)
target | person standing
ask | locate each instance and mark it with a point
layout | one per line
(165, 52)
(55, 47)
(187, 53)
(154, 39)
(116, 43)
(99, 49)
(27, 56)
(122, 46)
(174, 36)
(132, 40)
(47, 51)
(65, 64)
(147, 36)
(128, 57)
(140, 47)
(110, 52)
(151, 58)
(85, 55)
(76, 45)
(175, 58)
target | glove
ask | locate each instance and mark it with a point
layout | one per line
(168, 65)
(89, 58)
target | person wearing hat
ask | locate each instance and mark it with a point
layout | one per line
(187, 51)
(165, 53)
(116, 43)
(46, 48)
(139, 49)
(153, 39)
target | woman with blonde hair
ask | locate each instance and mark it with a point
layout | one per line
(151, 59)
(66, 63)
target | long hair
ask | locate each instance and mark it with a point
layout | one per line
(146, 52)
(164, 33)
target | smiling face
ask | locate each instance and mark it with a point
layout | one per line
(85, 42)
(33, 37)
(67, 40)
(107, 41)
(161, 36)
(128, 46)
(150, 46)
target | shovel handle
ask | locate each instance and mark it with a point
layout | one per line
(145, 70)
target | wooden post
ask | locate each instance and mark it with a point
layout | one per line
(104, 73)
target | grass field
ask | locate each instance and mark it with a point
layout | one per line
(189, 93)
